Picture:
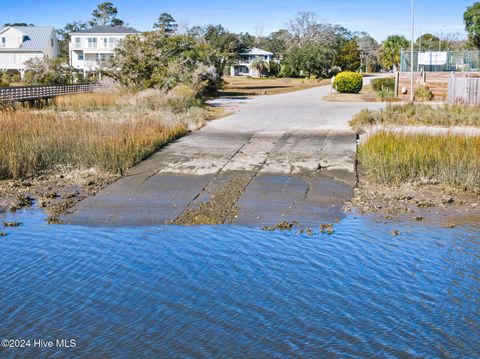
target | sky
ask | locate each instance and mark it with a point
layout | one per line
(258, 17)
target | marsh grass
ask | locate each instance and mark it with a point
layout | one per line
(418, 115)
(110, 131)
(94, 101)
(35, 142)
(395, 158)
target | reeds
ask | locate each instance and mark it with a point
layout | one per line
(95, 101)
(32, 142)
(418, 115)
(451, 160)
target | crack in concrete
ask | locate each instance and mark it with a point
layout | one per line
(190, 214)
(189, 206)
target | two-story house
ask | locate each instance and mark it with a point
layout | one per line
(89, 48)
(18, 44)
(244, 65)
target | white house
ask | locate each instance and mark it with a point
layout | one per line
(89, 48)
(18, 44)
(244, 65)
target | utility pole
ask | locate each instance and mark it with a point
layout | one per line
(411, 51)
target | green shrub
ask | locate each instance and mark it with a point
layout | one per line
(4, 79)
(385, 83)
(386, 95)
(423, 93)
(348, 82)
(15, 78)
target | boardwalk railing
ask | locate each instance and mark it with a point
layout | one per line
(464, 90)
(30, 93)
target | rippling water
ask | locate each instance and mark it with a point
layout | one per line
(239, 292)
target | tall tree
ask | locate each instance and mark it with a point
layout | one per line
(166, 24)
(277, 43)
(226, 45)
(390, 51)
(429, 42)
(471, 17)
(348, 57)
(105, 14)
(368, 47)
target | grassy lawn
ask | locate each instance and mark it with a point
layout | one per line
(249, 87)
(395, 158)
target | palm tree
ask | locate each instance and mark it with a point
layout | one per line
(261, 66)
(389, 53)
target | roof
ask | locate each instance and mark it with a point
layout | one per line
(38, 38)
(108, 29)
(257, 51)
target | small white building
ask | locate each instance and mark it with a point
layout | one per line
(89, 48)
(18, 44)
(244, 65)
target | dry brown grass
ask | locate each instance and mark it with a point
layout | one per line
(366, 95)
(244, 86)
(110, 131)
(94, 101)
(32, 142)
(395, 158)
(418, 115)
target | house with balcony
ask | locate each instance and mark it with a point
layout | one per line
(243, 67)
(18, 44)
(88, 49)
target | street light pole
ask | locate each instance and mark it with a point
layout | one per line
(411, 51)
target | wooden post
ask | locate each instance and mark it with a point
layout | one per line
(397, 83)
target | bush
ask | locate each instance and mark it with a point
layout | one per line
(15, 77)
(385, 84)
(423, 93)
(45, 71)
(4, 79)
(348, 82)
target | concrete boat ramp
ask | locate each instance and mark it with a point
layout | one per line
(273, 161)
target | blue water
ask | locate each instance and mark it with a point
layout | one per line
(238, 292)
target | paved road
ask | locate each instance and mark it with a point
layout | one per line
(283, 157)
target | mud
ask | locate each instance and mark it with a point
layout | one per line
(421, 201)
(55, 191)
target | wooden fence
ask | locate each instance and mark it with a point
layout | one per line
(464, 90)
(30, 93)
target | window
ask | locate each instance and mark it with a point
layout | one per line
(4, 42)
(78, 42)
(100, 57)
(105, 42)
(81, 57)
(51, 42)
(92, 42)
(112, 42)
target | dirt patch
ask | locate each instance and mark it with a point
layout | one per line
(220, 208)
(248, 87)
(416, 200)
(366, 95)
(55, 191)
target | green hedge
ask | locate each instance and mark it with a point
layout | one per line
(348, 82)
(383, 84)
